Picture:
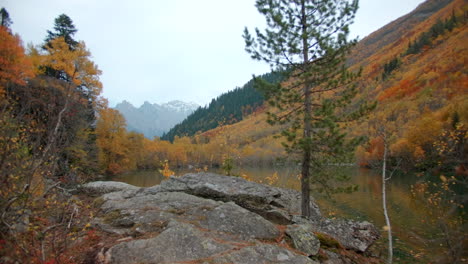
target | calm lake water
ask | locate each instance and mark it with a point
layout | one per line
(407, 218)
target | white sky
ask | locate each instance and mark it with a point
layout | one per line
(162, 50)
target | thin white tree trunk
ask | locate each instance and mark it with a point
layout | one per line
(384, 203)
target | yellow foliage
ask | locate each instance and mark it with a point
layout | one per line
(75, 64)
(273, 179)
(246, 177)
(401, 147)
(166, 172)
(112, 141)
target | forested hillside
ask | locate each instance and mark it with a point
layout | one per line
(416, 73)
(228, 108)
(420, 82)
(402, 30)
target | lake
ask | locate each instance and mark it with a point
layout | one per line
(411, 230)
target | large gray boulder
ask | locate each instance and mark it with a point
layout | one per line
(98, 188)
(150, 213)
(275, 204)
(304, 239)
(209, 218)
(354, 235)
(178, 243)
(184, 243)
(262, 253)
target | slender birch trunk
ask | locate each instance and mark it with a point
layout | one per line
(384, 203)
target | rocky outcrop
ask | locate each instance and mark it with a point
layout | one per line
(178, 242)
(181, 242)
(138, 214)
(353, 235)
(263, 253)
(98, 188)
(304, 239)
(209, 218)
(275, 204)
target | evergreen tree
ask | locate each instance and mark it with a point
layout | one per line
(437, 29)
(452, 22)
(63, 28)
(308, 40)
(5, 18)
(390, 66)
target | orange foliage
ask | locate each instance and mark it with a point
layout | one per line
(402, 89)
(15, 67)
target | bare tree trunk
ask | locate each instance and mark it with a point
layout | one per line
(384, 203)
(305, 181)
(54, 135)
(57, 127)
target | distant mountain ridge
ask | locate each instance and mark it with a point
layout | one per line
(228, 108)
(153, 120)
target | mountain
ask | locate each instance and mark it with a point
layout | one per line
(379, 55)
(154, 119)
(415, 69)
(228, 108)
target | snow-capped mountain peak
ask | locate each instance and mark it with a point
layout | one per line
(180, 106)
(154, 119)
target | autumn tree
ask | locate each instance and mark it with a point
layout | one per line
(78, 71)
(62, 105)
(37, 221)
(15, 67)
(112, 141)
(308, 40)
(444, 198)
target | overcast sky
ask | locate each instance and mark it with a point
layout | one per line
(163, 50)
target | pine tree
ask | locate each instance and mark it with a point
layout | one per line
(307, 39)
(5, 18)
(63, 27)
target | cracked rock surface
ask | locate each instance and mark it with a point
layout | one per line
(210, 218)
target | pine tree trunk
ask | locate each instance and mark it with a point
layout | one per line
(384, 203)
(305, 186)
(305, 179)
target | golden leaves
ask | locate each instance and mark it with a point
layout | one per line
(166, 172)
(273, 179)
(74, 63)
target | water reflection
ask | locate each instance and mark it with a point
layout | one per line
(144, 178)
